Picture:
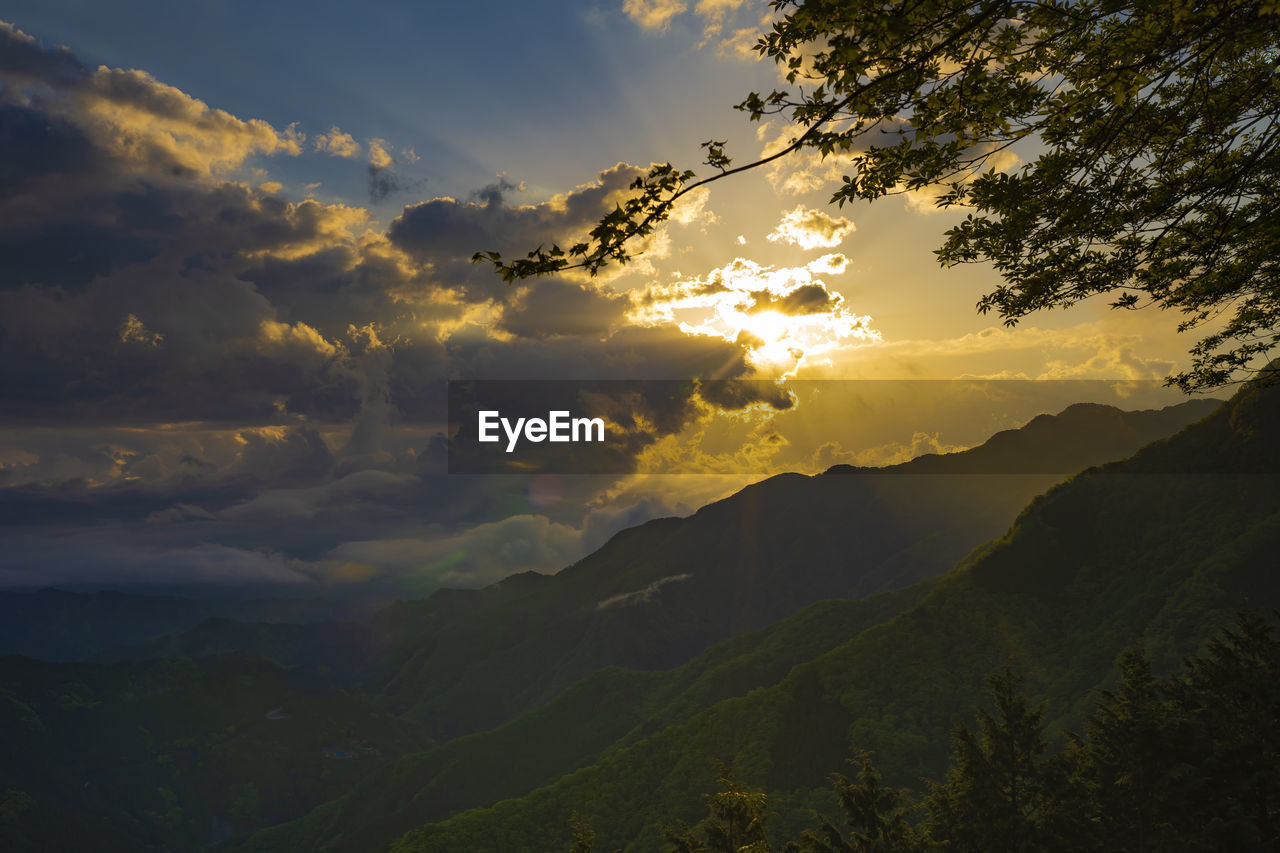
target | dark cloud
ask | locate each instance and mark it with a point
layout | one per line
(89, 557)
(805, 299)
(40, 147)
(447, 232)
(151, 342)
(630, 352)
(450, 228)
(496, 192)
(22, 60)
(122, 296)
(739, 393)
(382, 183)
(549, 308)
(189, 359)
(383, 180)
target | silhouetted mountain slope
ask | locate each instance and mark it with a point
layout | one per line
(655, 595)
(180, 754)
(343, 649)
(1134, 550)
(603, 712)
(176, 755)
(1081, 435)
(53, 624)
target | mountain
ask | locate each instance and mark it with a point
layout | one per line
(656, 595)
(345, 650)
(1161, 548)
(176, 755)
(462, 660)
(607, 710)
(179, 753)
(1081, 435)
(615, 707)
(59, 625)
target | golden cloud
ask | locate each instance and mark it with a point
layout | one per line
(653, 14)
(810, 228)
(140, 118)
(782, 315)
(132, 331)
(338, 144)
(379, 156)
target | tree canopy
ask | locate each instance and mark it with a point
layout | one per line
(1184, 762)
(1145, 134)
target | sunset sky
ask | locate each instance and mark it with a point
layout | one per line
(236, 241)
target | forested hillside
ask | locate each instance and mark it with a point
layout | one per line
(1162, 548)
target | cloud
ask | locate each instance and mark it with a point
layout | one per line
(892, 453)
(802, 171)
(164, 457)
(194, 297)
(715, 15)
(804, 299)
(833, 264)
(741, 42)
(379, 157)
(809, 228)
(550, 308)
(186, 295)
(133, 117)
(89, 558)
(196, 368)
(132, 330)
(446, 227)
(446, 232)
(653, 14)
(1112, 359)
(783, 316)
(641, 596)
(924, 200)
(23, 60)
(474, 557)
(718, 9)
(337, 143)
(1111, 347)
(145, 120)
(382, 177)
(156, 341)
(179, 513)
(280, 505)
(692, 208)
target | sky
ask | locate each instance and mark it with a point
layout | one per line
(237, 242)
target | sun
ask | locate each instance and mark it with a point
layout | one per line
(780, 317)
(778, 337)
(769, 326)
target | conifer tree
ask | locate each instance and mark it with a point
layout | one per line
(992, 797)
(736, 823)
(1127, 762)
(878, 818)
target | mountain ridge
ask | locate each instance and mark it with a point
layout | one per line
(1122, 551)
(743, 562)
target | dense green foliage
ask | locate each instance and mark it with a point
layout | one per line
(1135, 550)
(1189, 762)
(176, 755)
(1147, 129)
(602, 713)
